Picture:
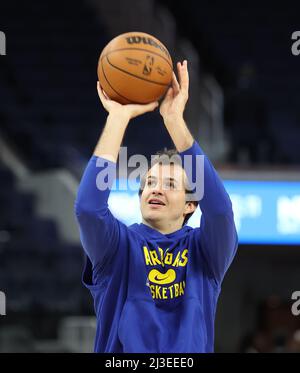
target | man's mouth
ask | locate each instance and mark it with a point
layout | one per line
(156, 202)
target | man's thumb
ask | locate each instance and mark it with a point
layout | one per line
(151, 106)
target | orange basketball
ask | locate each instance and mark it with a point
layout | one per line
(135, 68)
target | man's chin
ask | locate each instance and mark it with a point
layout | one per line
(153, 216)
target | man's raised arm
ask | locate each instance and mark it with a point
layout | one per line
(217, 234)
(99, 230)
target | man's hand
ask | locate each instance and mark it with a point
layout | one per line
(108, 146)
(128, 111)
(173, 105)
(172, 108)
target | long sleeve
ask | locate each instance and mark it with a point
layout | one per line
(217, 233)
(99, 229)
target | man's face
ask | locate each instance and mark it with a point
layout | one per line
(163, 199)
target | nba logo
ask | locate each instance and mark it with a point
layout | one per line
(2, 44)
(148, 65)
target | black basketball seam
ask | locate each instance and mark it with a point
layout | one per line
(135, 76)
(112, 86)
(139, 49)
(130, 101)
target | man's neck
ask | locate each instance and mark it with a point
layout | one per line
(164, 229)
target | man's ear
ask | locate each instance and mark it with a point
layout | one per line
(190, 206)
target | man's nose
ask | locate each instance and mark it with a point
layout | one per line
(158, 189)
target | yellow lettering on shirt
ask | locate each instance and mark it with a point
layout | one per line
(161, 256)
(169, 258)
(152, 288)
(171, 291)
(147, 257)
(176, 287)
(157, 292)
(176, 261)
(164, 293)
(168, 292)
(162, 281)
(181, 290)
(154, 257)
(183, 262)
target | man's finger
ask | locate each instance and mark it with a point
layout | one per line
(175, 84)
(136, 109)
(151, 106)
(103, 96)
(146, 107)
(100, 93)
(169, 92)
(183, 75)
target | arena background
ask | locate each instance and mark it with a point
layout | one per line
(243, 110)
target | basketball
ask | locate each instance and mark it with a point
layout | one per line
(135, 67)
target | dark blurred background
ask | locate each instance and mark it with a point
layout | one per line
(243, 110)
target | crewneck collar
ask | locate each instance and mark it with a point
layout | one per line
(155, 234)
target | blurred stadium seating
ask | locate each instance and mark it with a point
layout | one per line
(231, 36)
(39, 273)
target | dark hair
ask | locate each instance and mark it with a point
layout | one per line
(167, 156)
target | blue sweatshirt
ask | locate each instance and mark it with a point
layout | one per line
(155, 292)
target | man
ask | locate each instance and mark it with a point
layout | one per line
(155, 285)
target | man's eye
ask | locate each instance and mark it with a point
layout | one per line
(171, 185)
(150, 182)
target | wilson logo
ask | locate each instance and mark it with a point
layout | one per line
(147, 41)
